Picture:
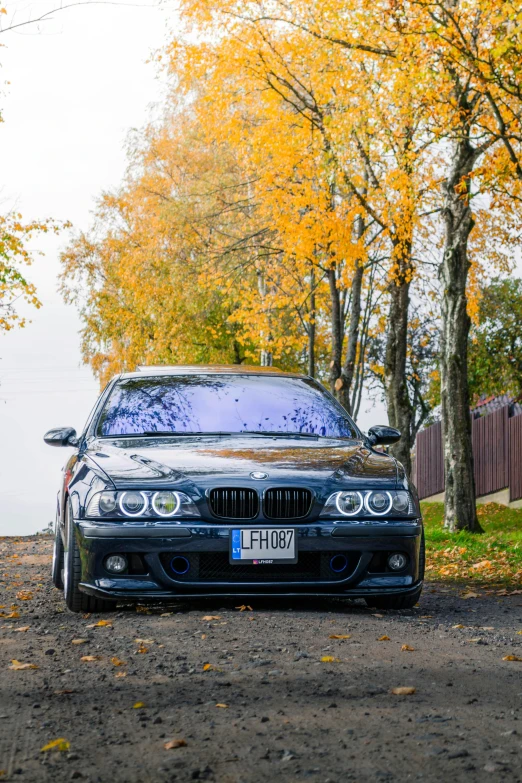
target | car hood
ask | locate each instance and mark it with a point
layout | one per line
(215, 461)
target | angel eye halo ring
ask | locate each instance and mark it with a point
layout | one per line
(349, 503)
(133, 504)
(165, 503)
(378, 503)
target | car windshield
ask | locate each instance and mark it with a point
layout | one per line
(222, 403)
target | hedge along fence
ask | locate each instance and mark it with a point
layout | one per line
(497, 454)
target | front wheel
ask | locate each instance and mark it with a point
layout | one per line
(77, 601)
(57, 567)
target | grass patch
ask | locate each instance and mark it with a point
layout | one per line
(495, 557)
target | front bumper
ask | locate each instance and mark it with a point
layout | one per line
(206, 547)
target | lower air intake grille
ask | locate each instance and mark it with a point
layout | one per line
(287, 503)
(234, 503)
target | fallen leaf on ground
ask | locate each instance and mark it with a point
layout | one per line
(142, 649)
(175, 743)
(459, 625)
(79, 641)
(24, 595)
(22, 629)
(244, 607)
(17, 666)
(10, 615)
(89, 658)
(339, 636)
(383, 638)
(407, 648)
(166, 614)
(143, 610)
(203, 635)
(139, 705)
(519, 633)
(211, 617)
(223, 706)
(469, 594)
(101, 624)
(57, 744)
(208, 667)
(407, 690)
(329, 659)
(144, 641)
(121, 674)
(511, 658)
(116, 662)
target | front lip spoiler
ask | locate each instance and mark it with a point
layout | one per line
(163, 596)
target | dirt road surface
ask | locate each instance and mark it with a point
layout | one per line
(261, 695)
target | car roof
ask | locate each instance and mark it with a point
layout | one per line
(208, 369)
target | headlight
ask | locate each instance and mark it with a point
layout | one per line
(378, 503)
(349, 503)
(371, 503)
(133, 504)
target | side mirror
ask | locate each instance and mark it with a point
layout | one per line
(61, 436)
(382, 435)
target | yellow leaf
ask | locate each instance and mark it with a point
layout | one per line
(339, 636)
(470, 594)
(89, 658)
(24, 595)
(404, 691)
(208, 667)
(329, 659)
(211, 617)
(22, 629)
(121, 674)
(175, 743)
(139, 705)
(17, 666)
(144, 641)
(203, 635)
(223, 706)
(142, 649)
(57, 744)
(78, 641)
(511, 658)
(244, 607)
(101, 624)
(458, 626)
(383, 638)
(519, 633)
(116, 662)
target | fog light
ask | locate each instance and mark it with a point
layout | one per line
(397, 561)
(116, 564)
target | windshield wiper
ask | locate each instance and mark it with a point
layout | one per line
(165, 434)
(277, 434)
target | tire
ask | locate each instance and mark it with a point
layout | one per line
(58, 552)
(76, 600)
(401, 601)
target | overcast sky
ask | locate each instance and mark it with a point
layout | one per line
(77, 85)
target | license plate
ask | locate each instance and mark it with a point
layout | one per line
(263, 546)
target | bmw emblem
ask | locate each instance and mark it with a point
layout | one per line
(259, 475)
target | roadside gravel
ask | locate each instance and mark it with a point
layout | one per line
(256, 694)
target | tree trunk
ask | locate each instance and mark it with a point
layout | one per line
(337, 330)
(348, 369)
(311, 326)
(398, 401)
(460, 509)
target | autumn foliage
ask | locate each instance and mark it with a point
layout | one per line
(329, 184)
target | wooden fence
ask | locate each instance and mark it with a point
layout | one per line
(497, 455)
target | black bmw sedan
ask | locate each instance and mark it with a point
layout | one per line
(231, 481)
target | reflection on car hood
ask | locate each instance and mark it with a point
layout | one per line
(211, 461)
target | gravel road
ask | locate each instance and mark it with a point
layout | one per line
(262, 694)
